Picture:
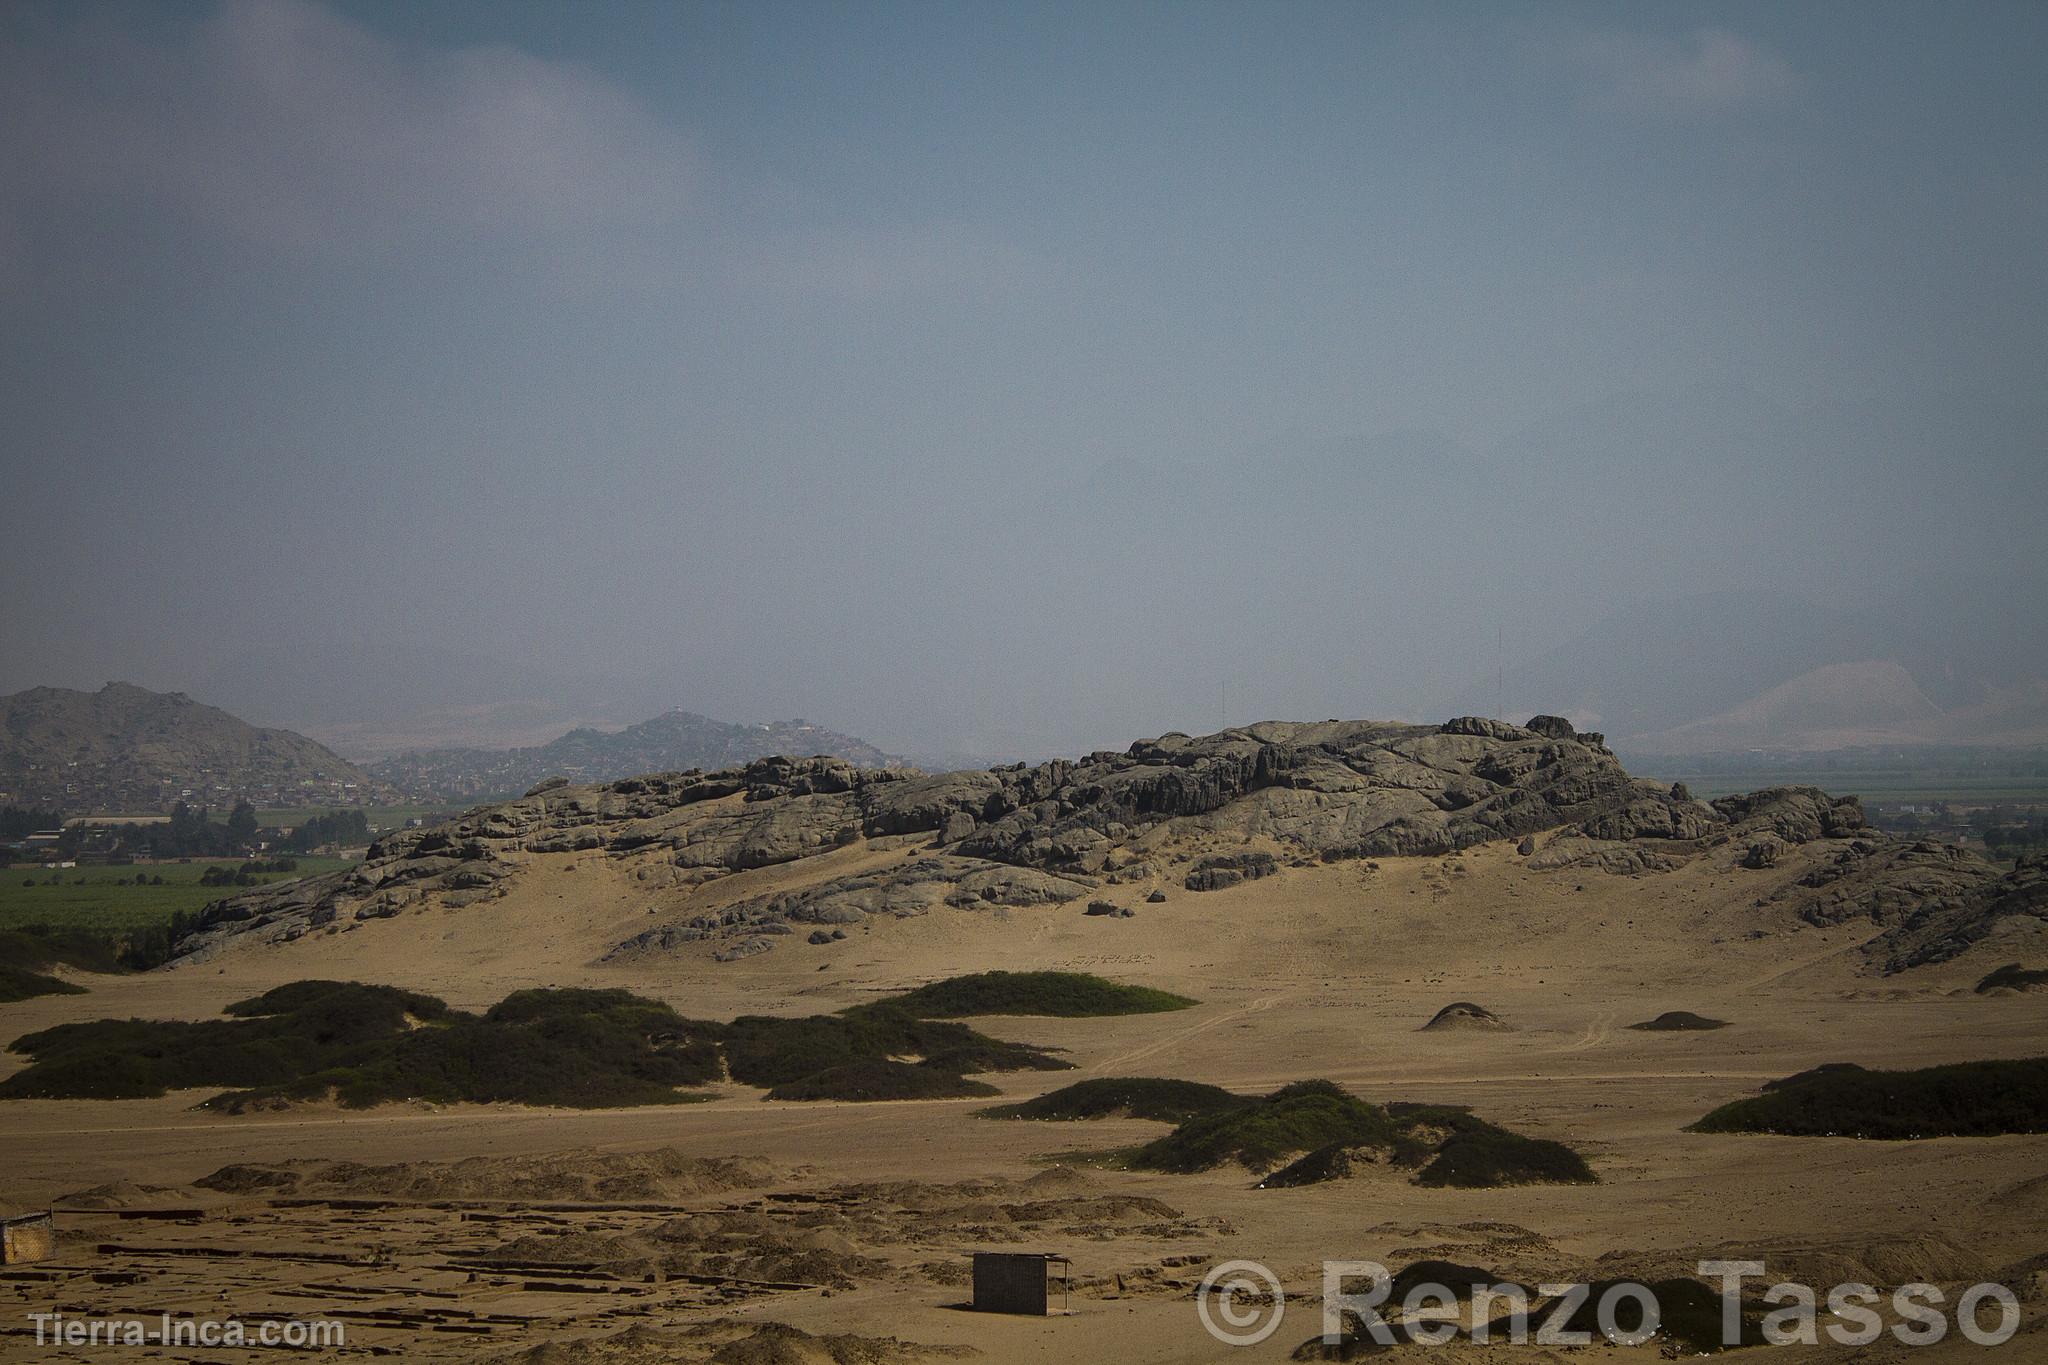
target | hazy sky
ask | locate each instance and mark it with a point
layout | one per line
(998, 377)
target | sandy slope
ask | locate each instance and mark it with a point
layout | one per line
(1320, 971)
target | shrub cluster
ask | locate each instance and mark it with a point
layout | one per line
(1260, 1133)
(2012, 976)
(1969, 1099)
(1068, 995)
(1137, 1097)
(1327, 1131)
(26, 953)
(584, 1048)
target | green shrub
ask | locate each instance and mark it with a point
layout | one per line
(1450, 1147)
(1069, 995)
(1484, 1157)
(19, 983)
(35, 946)
(301, 1041)
(767, 1050)
(1801, 1078)
(2012, 976)
(579, 1047)
(1969, 1099)
(1138, 1097)
(873, 1078)
(1261, 1133)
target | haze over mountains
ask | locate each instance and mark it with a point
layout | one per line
(129, 750)
(670, 742)
(1663, 680)
(1716, 672)
(124, 748)
(1639, 565)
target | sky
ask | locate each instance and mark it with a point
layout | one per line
(1008, 378)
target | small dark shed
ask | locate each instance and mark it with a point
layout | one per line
(31, 1237)
(1018, 1281)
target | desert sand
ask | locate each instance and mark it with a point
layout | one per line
(1318, 971)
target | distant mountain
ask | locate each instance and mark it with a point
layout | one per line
(1830, 707)
(372, 698)
(125, 748)
(1855, 705)
(1735, 670)
(670, 742)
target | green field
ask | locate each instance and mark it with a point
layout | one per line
(88, 897)
(380, 817)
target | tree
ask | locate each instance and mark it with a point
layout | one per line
(242, 823)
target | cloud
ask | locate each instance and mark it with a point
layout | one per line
(284, 125)
(1707, 71)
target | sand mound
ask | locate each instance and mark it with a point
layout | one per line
(1056, 1180)
(1679, 1021)
(2026, 1200)
(245, 1178)
(1463, 1014)
(123, 1194)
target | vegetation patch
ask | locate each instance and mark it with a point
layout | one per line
(19, 983)
(1066, 995)
(2013, 977)
(133, 912)
(769, 1050)
(1456, 1280)
(874, 1078)
(1264, 1132)
(1444, 1146)
(27, 953)
(368, 1044)
(364, 1045)
(1970, 1099)
(1136, 1097)
(1679, 1021)
(1801, 1078)
(1482, 1156)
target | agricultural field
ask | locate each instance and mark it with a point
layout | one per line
(105, 899)
(381, 818)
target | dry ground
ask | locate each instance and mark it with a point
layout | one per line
(1321, 971)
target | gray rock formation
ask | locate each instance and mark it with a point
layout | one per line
(1235, 804)
(1228, 869)
(1947, 924)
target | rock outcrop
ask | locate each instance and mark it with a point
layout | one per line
(1221, 808)
(1945, 926)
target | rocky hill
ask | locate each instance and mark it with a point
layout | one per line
(1206, 812)
(126, 748)
(670, 742)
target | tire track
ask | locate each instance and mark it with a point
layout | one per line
(1153, 1049)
